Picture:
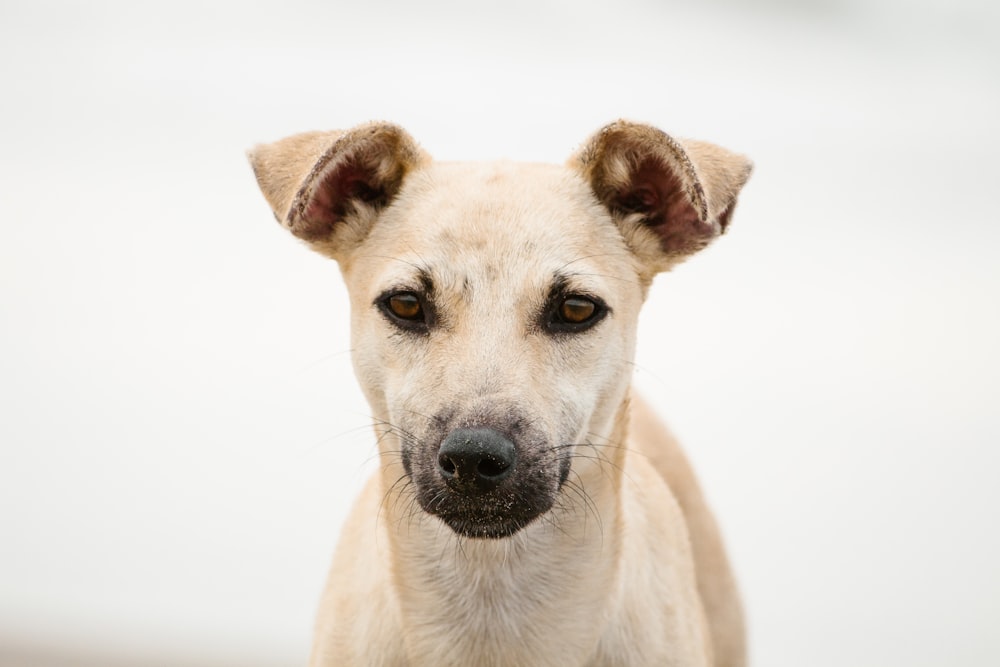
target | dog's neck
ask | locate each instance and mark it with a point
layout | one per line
(561, 566)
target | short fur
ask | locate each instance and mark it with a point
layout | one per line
(595, 547)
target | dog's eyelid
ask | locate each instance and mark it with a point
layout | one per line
(567, 292)
(397, 290)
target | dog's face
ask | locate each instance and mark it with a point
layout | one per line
(494, 305)
(497, 300)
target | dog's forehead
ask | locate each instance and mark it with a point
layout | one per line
(484, 217)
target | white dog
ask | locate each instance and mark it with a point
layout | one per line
(526, 512)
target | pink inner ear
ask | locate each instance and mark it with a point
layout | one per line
(332, 198)
(658, 194)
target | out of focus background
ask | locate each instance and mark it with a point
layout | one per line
(181, 434)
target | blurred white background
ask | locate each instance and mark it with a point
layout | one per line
(180, 431)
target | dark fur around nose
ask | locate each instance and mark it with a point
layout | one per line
(476, 460)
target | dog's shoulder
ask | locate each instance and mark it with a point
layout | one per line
(357, 601)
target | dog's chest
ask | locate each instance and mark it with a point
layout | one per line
(464, 609)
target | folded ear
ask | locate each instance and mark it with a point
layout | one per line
(669, 197)
(327, 187)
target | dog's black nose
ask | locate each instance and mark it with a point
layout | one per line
(476, 460)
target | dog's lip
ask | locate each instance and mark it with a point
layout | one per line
(493, 515)
(486, 529)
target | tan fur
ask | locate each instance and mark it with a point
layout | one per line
(619, 561)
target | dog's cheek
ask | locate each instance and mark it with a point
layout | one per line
(594, 373)
(370, 374)
(386, 361)
(600, 381)
(387, 377)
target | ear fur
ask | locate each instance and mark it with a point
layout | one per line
(326, 186)
(679, 193)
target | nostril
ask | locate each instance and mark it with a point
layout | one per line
(491, 468)
(446, 464)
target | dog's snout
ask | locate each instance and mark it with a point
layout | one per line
(476, 460)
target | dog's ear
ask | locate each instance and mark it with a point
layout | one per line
(326, 187)
(670, 198)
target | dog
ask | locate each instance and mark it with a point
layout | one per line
(528, 510)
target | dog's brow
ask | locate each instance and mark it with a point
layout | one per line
(565, 282)
(420, 277)
(424, 276)
(560, 283)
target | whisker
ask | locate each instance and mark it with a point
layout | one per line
(619, 253)
(404, 478)
(396, 259)
(327, 357)
(578, 488)
(627, 281)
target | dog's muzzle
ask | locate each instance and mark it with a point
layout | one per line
(484, 481)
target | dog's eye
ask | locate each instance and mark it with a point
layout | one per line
(408, 310)
(575, 313)
(576, 310)
(405, 306)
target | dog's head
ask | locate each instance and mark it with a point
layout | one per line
(494, 305)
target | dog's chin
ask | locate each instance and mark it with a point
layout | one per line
(485, 530)
(486, 518)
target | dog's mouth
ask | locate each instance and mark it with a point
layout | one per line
(485, 518)
(483, 485)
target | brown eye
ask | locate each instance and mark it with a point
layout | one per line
(576, 310)
(405, 306)
(574, 313)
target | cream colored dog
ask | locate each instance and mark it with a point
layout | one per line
(526, 513)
